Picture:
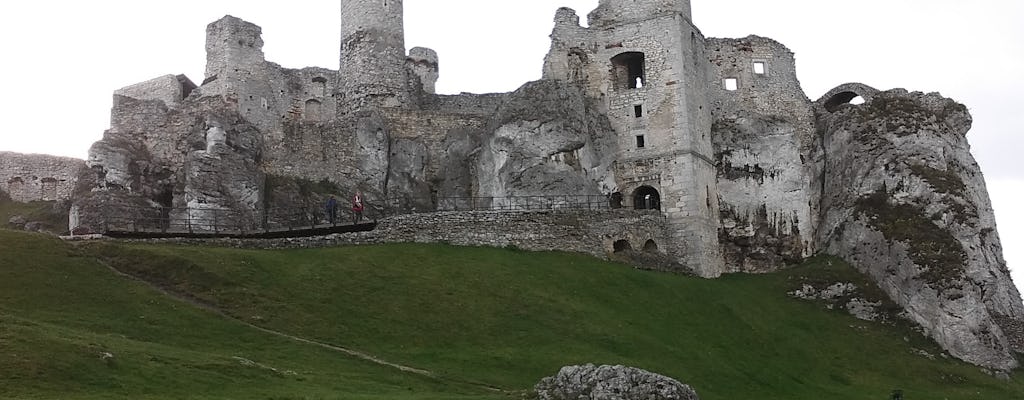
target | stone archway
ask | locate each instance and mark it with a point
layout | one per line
(646, 198)
(844, 94)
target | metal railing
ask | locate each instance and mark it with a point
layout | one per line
(402, 205)
(222, 221)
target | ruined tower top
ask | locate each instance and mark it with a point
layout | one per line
(613, 12)
(372, 67)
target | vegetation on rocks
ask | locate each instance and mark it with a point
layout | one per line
(946, 182)
(929, 246)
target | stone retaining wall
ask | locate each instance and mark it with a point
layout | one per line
(588, 232)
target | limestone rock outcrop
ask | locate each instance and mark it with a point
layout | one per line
(904, 201)
(546, 139)
(155, 160)
(607, 382)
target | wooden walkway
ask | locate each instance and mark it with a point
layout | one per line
(317, 230)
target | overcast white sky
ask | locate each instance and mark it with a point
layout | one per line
(62, 59)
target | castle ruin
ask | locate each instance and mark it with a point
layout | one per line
(711, 139)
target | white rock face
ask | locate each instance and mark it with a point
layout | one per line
(766, 206)
(905, 202)
(608, 382)
(543, 142)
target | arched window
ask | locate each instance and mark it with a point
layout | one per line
(646, 198)
(628, 70)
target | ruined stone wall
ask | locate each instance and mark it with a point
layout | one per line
(37, 177)
(423, 64)
(171, 89)
(268, 95)
(765, 151)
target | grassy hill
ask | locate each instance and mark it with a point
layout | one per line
(476, 319)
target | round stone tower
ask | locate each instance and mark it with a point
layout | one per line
(372, 71)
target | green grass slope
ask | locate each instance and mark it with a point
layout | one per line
(72, 329)
(46, 212)
(472, 316)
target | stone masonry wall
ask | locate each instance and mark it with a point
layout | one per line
(37, 177)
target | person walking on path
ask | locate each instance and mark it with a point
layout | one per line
(332, 209)
(357, 208)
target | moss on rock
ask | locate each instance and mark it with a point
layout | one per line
(930, 247)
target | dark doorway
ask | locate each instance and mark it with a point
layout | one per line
(622, 245)
(166, 200)
(646, 198)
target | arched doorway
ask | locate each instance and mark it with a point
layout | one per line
(622, 245)
(651, 246)
(646, 198)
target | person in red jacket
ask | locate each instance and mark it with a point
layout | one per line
(357, 208)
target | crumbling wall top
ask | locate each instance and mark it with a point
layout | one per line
(614, 12)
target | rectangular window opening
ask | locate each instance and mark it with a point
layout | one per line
(640, 143)
(731, 84)
(638, 111)
(759, 67)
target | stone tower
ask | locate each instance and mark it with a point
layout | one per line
(646, 61)
(372, 71)
(235, 62)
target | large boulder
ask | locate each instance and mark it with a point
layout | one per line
(904, 201)
(607, 382)
(17, 222)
